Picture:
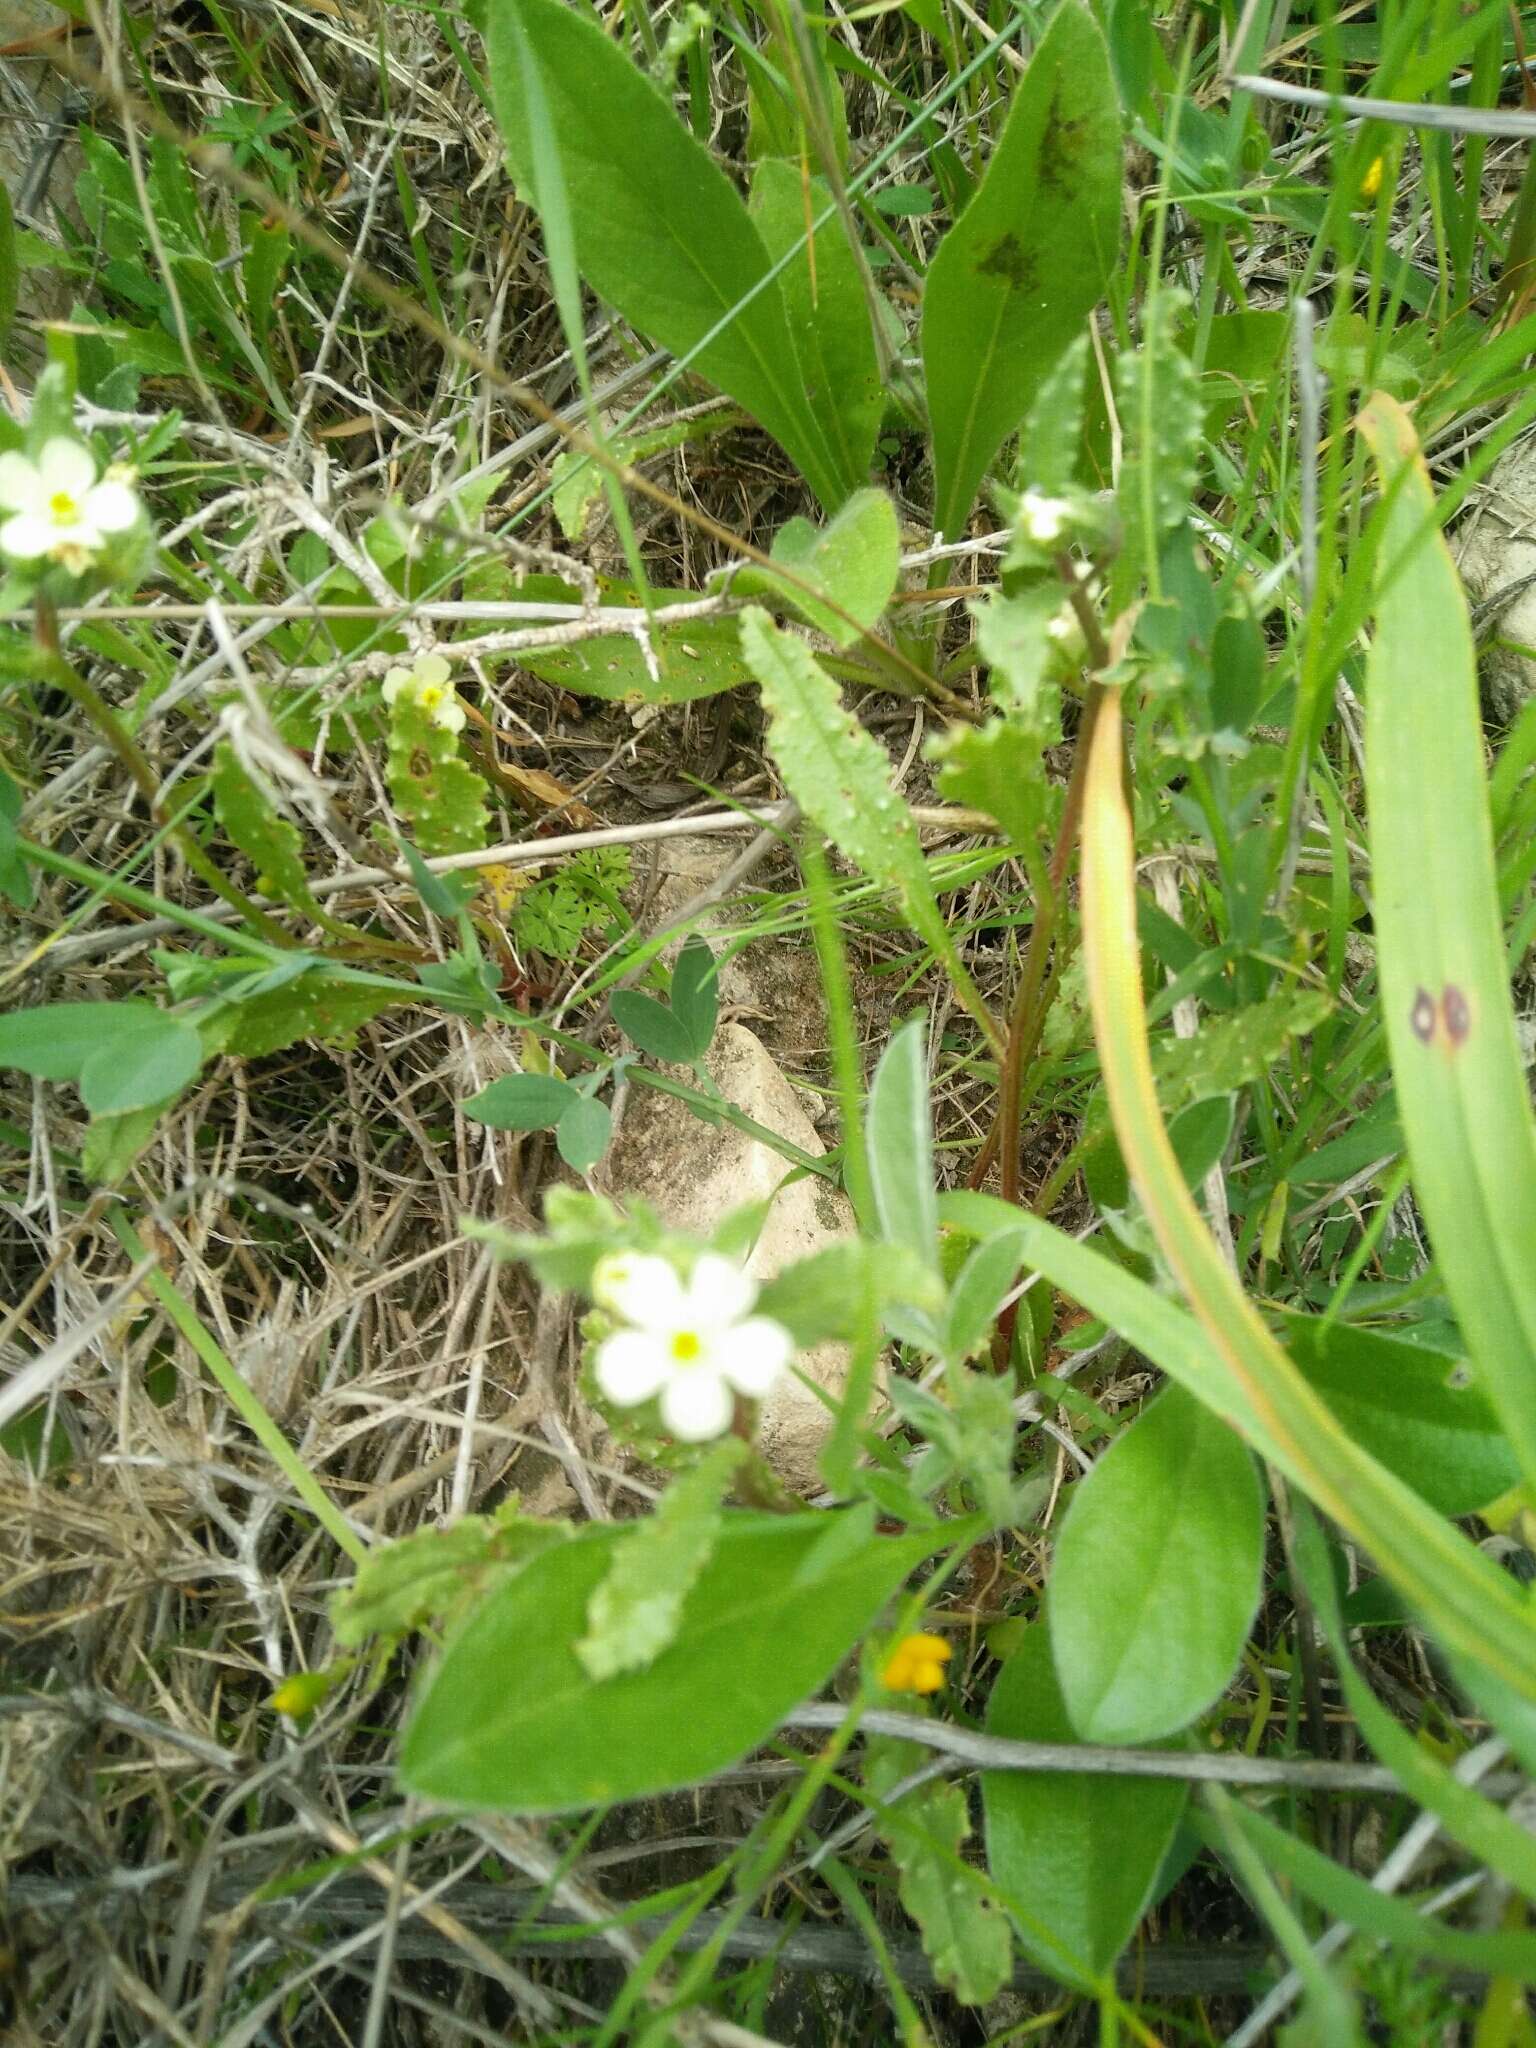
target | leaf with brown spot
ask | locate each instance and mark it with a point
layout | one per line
(1026, 263)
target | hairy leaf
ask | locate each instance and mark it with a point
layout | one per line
(636, 1611)
(965, 1935)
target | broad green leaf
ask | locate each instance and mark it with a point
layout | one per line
(434, 1572)
(660, 231)
(54, 1041)
(854, 560)
(1227, 1053)
(1019, 273)
(695, 992)
(998, 767)
(112, 1143)
(582, 1134)
(697, 660)
(442, 799)
(1461, 1086)
(510, 1720)
(1474, 1608)
(1078, 1853)
(822, 1297)
(1160, 412)
(1156, 1575)
(320, 1006)
(273, 844)
(827, 309)
(654, 1027)
(965, 1935)
(521, 1102)
(839, 775)
(1411, 1407)
(124, 1056)
(899, 1133)
(1014, 639)
(635, 1613)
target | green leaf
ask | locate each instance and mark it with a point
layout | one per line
(636, 1611)
(699, 659)
(124, 1056)
(1155, 1580)
(839, 774)
(695, 993)
(1160, 411)
(965, 1937)
(327, 1008)
(660, 231)
(432, 1572)
(1019, 273)
(1461, 1086)
(854, 560)
(1492, 1835)
(999, 768)
(828, 312)
(1051, 443)
(1077, 1853)
(900, 1137)
(1475, 1607)
(582, 1134)
(983, 1283)
(112, 1143)
(521, 1102)
(15, 876)
(753, 1643)
(822, 1297)
(1411, 1407)
(1013, 638)
(1227, 1053)
(432, 788)
(654, 1028)
(271, 843)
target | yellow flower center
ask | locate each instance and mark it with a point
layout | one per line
(429, 696)
(686, 1346)
(62, 509)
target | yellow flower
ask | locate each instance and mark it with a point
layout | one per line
(1370, 184)
(427, 686)
(917, 1664)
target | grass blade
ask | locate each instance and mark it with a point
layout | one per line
(1445, 994)
(1472, 1606)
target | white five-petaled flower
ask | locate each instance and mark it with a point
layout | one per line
(691, 1345)
(1042, 518)
(426, 684)
(57, 508)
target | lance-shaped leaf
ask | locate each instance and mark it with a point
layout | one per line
(1477, 1612)
(660, 230)
(1015, 278)
(1461, 1087)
